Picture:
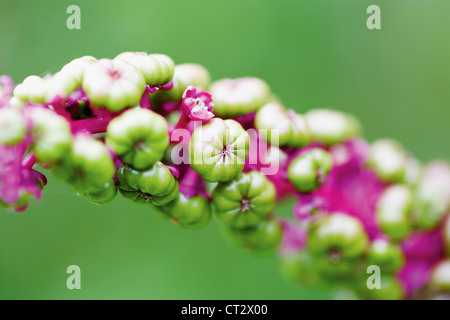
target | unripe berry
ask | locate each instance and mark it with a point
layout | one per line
(12, 126)
(51, 134)
(261, 239)
(233, 97)
(440, 276)
(139, 137)
(156, 185)
(218, 150)
(157, 69)
(393, 211)
(337, 242)
(285, 127)
(188, 74)
(189, 213)
(244, 201)
(388, 159)
(113, 84)
(87, 166)
(309, 170)
(32, 89)
(331, 127)
(388, 256)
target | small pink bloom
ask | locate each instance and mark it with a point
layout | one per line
(197, 105)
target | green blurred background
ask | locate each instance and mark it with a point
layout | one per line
(312, 53)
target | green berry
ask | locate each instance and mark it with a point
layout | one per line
(12, 126)
(331, 127)
(218, 150)
(263, 238)
(244, 201)
(308, 171)
(87, 166)
(52, 137)
(32, 89)
(139, 137)
(337, 242)
(440, 276)
(104, 195)
(240, 96)
(390, 289)
(75, 68)
(157, 69)
(393, 211)
(113, 84)
(432, 195)
(189, 213)
(280, 127)
(388, 256)
(60, 85)
(388, 159)
(156, 185)
(299, 267)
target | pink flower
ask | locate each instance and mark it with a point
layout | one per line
(197, 105)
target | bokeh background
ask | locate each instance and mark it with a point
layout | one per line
(313, 54)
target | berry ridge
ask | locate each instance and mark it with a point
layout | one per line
(165, 136)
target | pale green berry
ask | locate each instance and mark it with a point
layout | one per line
(157, 69)
(218, 150)
(309, 170)
(282, 127)
(388, 159)
(76, 68)
(331, 127)
(113, 84)
(240, 96)
(393, 211)
(139, 137)
(32, 89)
(52, 137)
(12, 126)
(184, 75)
(432, 195)
(440, 276)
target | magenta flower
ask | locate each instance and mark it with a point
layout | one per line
(197, 104)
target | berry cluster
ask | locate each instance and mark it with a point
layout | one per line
(166, 137)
